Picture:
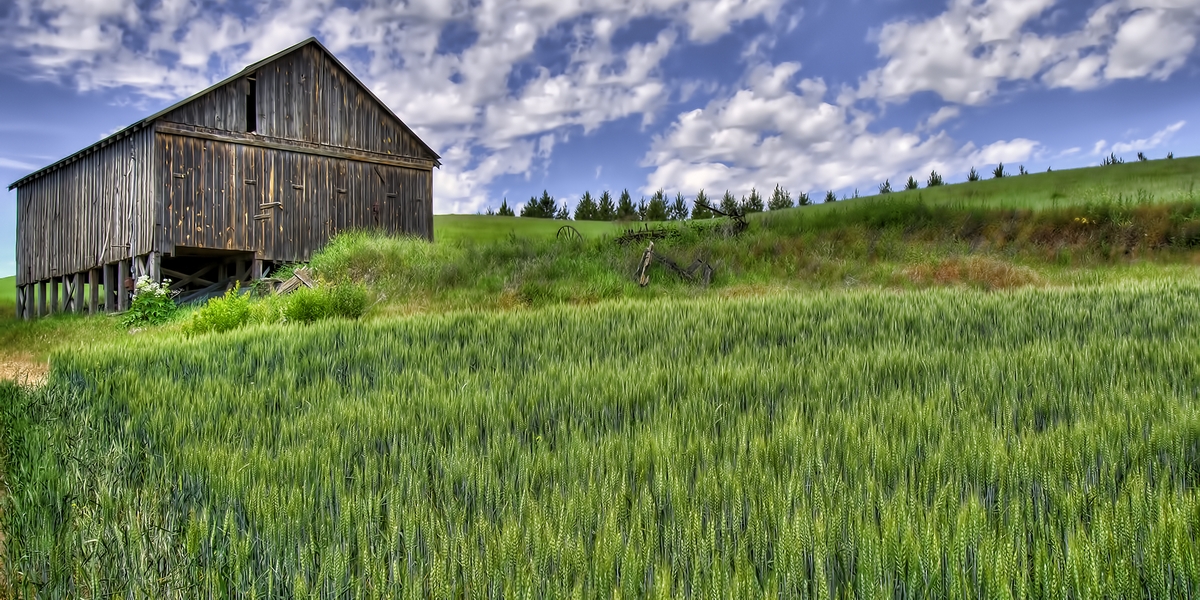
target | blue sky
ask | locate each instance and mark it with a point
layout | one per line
(572, 95)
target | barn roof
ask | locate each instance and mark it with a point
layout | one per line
(127, 131)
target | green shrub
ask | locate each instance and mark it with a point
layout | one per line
(152, 304)
(348, 301)
(345, 300)
(224, 313)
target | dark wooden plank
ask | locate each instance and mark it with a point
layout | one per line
(266, 141)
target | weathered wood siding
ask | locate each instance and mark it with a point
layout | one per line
(213, 190)
(305, 96)
(92, 211)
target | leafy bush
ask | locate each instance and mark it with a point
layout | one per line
(998, 172)
(830, 196)
(1112, 159)
(152, 304)
(911, 184)
(223, 313)
(973, 175)
(344, 300)
(935, 179)
(885, 187)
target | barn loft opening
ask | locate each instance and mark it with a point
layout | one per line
(251, 104)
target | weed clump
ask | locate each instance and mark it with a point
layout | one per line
(223, 313)
(344, 300)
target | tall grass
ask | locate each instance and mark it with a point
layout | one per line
(1025, 444)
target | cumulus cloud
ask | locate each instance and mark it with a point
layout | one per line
(461, 100)
(778, 131)
(967, 52)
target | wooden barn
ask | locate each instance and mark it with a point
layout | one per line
(260, 169)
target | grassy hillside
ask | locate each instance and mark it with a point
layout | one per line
(8, 290)
(1155, 181)
(1040, 443)
(981, 390)
(482, 228)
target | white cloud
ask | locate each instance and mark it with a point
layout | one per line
(775, 132)
(1069, 152)
(459, 102)
(942, 115)
(966, 53)
(1151, 43)
(1099, 147)
(1151, 142)
(8, 163)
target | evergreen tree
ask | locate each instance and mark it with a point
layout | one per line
(657, 209)
(606, 210)
(973, 175)
(885, 187)
(911, 184)
(802, 199)
(780, 199)
(541, 208)
(700, 207)
(532, 208)
(729, 204)
(678, 211)
(641, 209)
(935, 179)
(505, 210)
(998, 172)
(753, 204)
(586, 210)
(830, 197)
(563, 213)
(625, 207)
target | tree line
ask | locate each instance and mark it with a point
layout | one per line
(657, 208)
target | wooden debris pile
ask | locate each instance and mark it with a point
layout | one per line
(300, 278)
(700, 271)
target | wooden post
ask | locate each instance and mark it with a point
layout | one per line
(256, 270)
(54, 295)
(155, 267)
(106, 276)
(77, 294)
(122, 281)
(94, 291)
(41, 308)
(20, 302)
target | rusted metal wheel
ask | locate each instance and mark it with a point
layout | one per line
(567, 232)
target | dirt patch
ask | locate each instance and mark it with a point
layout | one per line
(23, 370)
(975, 271)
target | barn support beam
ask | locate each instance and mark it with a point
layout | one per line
(65, 305)
(154, 266)
(93, 290)
(107, 277)
(54, 295)
(123, 286)
(256, 269)
(41, 308)
(20, 302)
(77, 287)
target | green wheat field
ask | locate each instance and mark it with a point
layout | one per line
(928, 444)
